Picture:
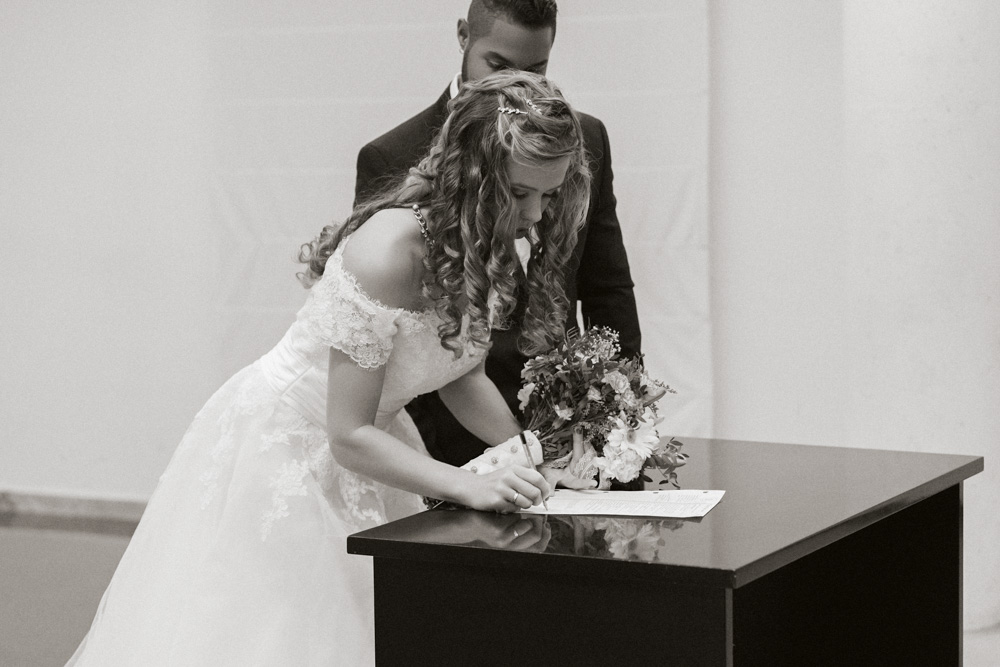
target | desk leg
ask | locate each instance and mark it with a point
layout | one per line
(890, 594)
(443, 614)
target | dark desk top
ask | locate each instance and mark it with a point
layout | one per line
(782, 502)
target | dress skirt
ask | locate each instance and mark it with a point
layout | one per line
(240, 557)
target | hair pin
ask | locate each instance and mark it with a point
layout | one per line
(511, 110)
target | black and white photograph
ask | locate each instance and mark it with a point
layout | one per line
(499, 332)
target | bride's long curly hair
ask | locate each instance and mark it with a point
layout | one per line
(463, 186)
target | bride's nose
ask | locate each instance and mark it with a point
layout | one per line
(531, 210)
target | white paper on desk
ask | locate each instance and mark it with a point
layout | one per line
(671, 504)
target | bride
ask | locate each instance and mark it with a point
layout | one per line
(240, 556)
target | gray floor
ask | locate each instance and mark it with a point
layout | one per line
(51, 581)
(52, 578)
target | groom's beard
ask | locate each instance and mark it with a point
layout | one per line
(465, 67)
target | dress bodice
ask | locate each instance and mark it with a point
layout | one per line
(338, 313)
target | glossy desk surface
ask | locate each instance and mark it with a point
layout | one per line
(782, 502)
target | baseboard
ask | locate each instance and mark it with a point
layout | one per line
(112, 516)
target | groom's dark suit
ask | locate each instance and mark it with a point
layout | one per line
(598, 274)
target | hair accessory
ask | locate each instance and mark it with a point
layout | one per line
(533, 106)
(511, 110)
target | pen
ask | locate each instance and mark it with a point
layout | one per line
(531, 462)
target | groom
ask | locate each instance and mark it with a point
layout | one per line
(514, 34)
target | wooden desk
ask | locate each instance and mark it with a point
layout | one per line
(815, 556)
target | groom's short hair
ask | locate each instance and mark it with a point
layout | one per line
(527, 13)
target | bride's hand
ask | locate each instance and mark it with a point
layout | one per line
(508, 489)
(566, 477)
(520, 532)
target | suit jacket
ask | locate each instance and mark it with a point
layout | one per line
(597, 276)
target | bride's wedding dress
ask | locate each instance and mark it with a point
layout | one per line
(240, 556)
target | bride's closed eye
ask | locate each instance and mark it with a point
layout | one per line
(548, 196)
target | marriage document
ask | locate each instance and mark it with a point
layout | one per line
(670, 504)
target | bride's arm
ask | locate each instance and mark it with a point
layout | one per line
(352, 402)
(385, 258)
(478, 406)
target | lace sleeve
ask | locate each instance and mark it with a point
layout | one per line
(339, 314)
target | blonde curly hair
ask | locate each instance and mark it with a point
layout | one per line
(463, 185)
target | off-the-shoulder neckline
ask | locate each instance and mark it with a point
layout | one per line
(338, 254)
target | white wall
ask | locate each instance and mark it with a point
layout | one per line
(642, 67)
(160, 166)
(108, 266)
(855, 231)
(300, 89)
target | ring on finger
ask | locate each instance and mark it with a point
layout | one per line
(517, 494)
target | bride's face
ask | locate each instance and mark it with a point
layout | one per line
(532, 188)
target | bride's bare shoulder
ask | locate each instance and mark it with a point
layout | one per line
(385, 255)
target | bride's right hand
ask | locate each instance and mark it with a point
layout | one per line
(507, 490)
(517, 532)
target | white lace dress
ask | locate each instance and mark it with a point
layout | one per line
(240, 557)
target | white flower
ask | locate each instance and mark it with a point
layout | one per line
(650, 417)
(642, 439)
(525, 394)
(594, 394)
(563, 412)
(626, 450)
(617, 381)
(630, 399)
(623, 465)
(646, 432)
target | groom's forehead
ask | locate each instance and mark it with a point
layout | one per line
(519, 46)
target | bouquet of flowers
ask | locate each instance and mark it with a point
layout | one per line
(595, 411)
